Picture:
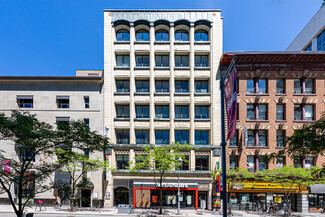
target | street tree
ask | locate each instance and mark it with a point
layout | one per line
(160, 160)
(35, 143)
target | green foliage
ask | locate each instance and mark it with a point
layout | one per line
(323, 4)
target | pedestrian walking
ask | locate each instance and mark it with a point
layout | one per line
(58, 203)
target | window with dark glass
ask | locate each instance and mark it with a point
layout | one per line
(123, 35)
(254, 109)
(256, 86)
(181, 136)
(280, 112)
(122, 161)
(122, 86)
(201, 36)
(202, 112)
(262, 138)
(297, 162)
(140, 159)
(142, 60)
(309, 162)
(280, 87)
(181, 35)
(233, 162)
(250, 138)
(162, 137)
(250, 112)
(181, 86)
(201, 137)
(162, 111)
(201, 162)
(162, 35)
(181, 61)
(142, 35)
(201, 60)
(142, 111)
(303, 86)
(86, 121)
(142, 136)
(257, 138)
(321, 42)
(122, 60)
(162, 86)
(123, 111)
(27, 155)
(262, 163)
(25, 101)
(233, 142)
(162, 60)
(280, 162)
(181, 111)
(122, 137)
(62, 122)
(142, 86)
(186, 163)
(262, 112)
(308, 48)
(280, 136)
(201, 86)
(63, 101)
(86, 101)
(304, 112)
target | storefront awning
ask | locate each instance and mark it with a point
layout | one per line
(317, 189)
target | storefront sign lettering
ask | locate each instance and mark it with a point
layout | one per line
(263, 185)
(174, 185)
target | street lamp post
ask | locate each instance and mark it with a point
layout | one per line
(180, 161)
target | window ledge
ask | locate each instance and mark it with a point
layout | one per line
(266, 121)
(141, 42)
(162, 119)
(141, 119)
(280, 94)
(202, 42)
(201, 94)
(162, 94)
(280, 121)
(303, 121)
(182, 42)
(233, 146)
(202, 119)
(304, 94)
(202, 68)
(181, 119)
(122, 68)
(142, 68)
(162, 68)
(181, 94)
(181, 68)
(279, 147)
(257, 147)
(161, 42)
(121, 42)
(121, 93)
(121, 119)
(142, 93)
(257, 94)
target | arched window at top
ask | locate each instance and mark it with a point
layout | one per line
(181, 35)
(162, 35)
(201, 36)
(142, 35)
(123, 35)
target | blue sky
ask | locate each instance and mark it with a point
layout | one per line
(56, 37)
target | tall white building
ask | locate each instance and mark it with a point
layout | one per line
(161, 85)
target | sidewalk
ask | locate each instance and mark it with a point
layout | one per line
(150, 212)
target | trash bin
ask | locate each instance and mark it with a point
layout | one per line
(29, 214)
(125, 209)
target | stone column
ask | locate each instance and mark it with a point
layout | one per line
(191, 86)
(172, 83)
(132, 84)
(152, 84)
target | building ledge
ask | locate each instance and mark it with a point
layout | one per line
(181, 42)
(303, 121)
(181, 68)
(162, 68)
(141, 42)
(122, 68)
(142, 68)
(202, 94)
(304, 94)
(141, 119)
(257, 147)
(162, 119)
(201, 68)
(142, 93)
(202, 42)
(181, 94)
(121, 42)
(162, 42)
(202, 119)
(121, 119)
(260, 121)
(182, 119)
(162, 93)
(257, 94)
(121, 93)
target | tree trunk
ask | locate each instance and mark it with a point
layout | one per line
(161, 202)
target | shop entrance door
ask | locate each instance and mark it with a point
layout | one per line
(121, 196)
(203, 196)
(85, 197)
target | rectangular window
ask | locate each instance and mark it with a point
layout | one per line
(262, 138)
(162, 137)
(181, 136)
(86, 101)
(122, 86)
(142, 111)
(25, 101)
(139, 159)
(201, 86)
(251, 138)
(186, 165)
(201, 60)
(256, 86)
(142, 60)
(250, 86)
(262, 165)
(181, 86)
(297, 112)
(304, 112)
(162, 61)
(309, 112)
(280, 108)
(262, 86)
(123, 111)
(27, 155)
(297, 86)
(254, 109)
(233, 162)
(142, 86)
(251, 164)
(62, 101)
(201, 112)
(201, 162)
(122, 161)
(280, 136)
(162, 111)
(62, 122)
(181, 111)
(86, 121)
(250, 112)
(262, 112)
(280, 88)
(122, 137)
(181, 61)
(233, 142)
(142, 136)
(297, 162)
(279, 162)
(122, 60)
(162, 86)
(201, 137)
(303, 86)
(309, 162)
(309, 86)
